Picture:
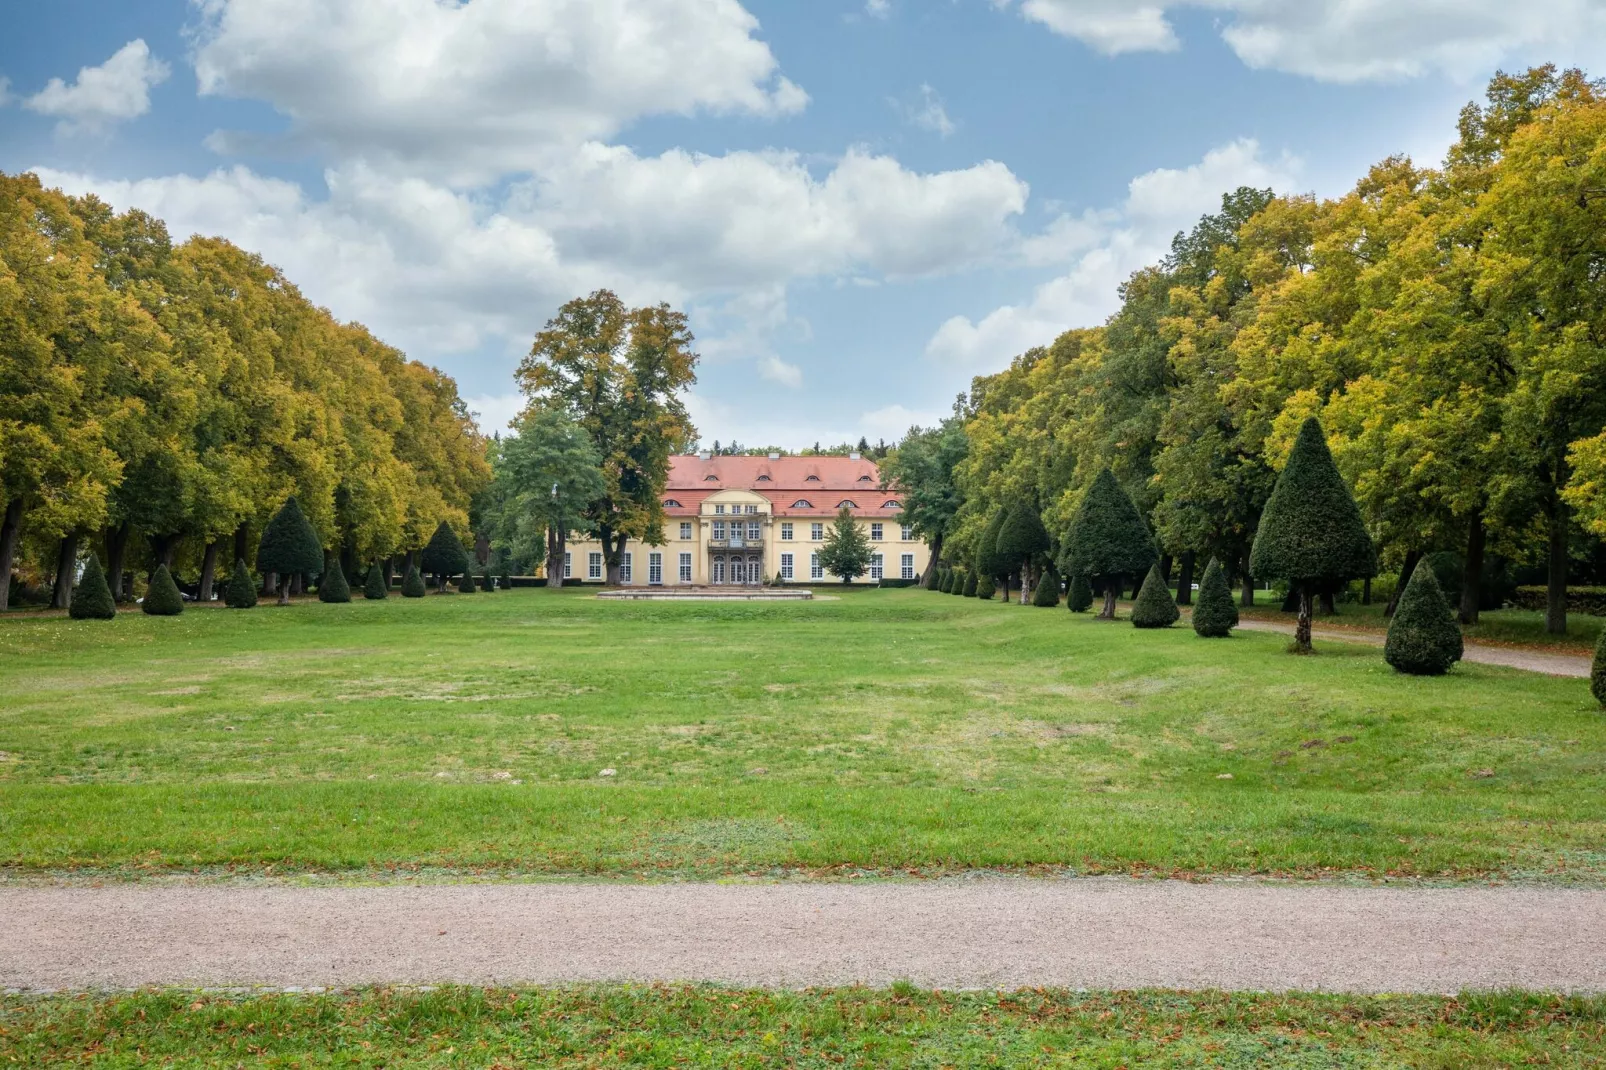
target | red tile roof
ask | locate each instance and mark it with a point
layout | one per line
(823, 482)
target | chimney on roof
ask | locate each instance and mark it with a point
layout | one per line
(775, 456)
(704, 456)
(854, 457)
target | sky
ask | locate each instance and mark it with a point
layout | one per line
(861, 204)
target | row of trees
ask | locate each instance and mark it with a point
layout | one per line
(1448, 326)
(159, 402)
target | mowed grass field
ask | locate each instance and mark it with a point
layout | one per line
(878, 731)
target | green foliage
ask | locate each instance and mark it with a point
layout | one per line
(986, 587)
(444, 556)
(1107, 536)
(486, 583)
(92, 598)
(1215, 614)
(921, 472)
(846, 551)
(1311, 531)
(987, 558)
(162, 598)
(1021, 538)
(413, 584)
(333, 586)
(1047, 594)
(465, 584)
(1424, 638)
(373, 587)
(971, 583)
(241, 592)
(546, 473)
(1154, 607)
(957, 585)
(1597, 671)
(1079, 598)
(289, 545)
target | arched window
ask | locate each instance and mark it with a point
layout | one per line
(710, 479)
(811, 479)
(764, 479)
(802, 503)
(892, 505)
(866, 479)
(670, 503)
(847, 505)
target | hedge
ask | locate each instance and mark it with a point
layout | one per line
(1590, 601)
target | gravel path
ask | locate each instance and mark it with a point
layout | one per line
(1510, 657)
(1092, 933)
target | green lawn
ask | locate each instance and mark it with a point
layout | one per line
(676, 1026)
(1503, 627)
(881, 731)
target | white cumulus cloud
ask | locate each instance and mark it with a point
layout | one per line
(117, 90)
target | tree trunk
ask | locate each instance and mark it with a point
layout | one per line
(1472, 574)
(116, 551)
(209, 568)
(1246, 594)
(1166, 561)
(10, 528)
(1026, 584)
(929, 580)
(1328, 605)
(1291, 599)
(66, 570)
(1366, 592)
(284, 590)
(1302, 629)
(614, 557)
(1556, 590)
(270, 583)
(388, 568)
(1112, 586)
(1411, 559)
(556, 540)
(1185, 580)
(241, 546)
(298, 583)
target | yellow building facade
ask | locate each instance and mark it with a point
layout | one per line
(741, 521)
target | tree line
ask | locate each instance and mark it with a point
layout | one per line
(160, 402)
(1447, 326)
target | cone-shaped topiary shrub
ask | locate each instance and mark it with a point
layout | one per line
(988, 561)
(1107, 538)
(1155, 608)
(241, 592)
(161, 597)
(506, 579)
(486, 583)
(374, 586)
(1079, 599)
(413, 585)
(971, 584)
(1022, 540)
(332, 585)
(289, 546)
(444, 555)
(986, 587)
(1424, 638)
(465, 583)
(957, 586)
(944, 579)
(1047, 594)
(92, 598)
(1311, 532)
(1597, 673)
(1214, 613)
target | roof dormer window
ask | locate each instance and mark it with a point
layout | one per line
(847, 505)
(802, 503)
(670, 503)
(866, 479)
(811, 479)
(710, 479)
(892, 505)
(764, 479)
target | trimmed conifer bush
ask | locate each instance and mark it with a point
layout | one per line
(1155, 608)
(92, 598)
(1311, 532)
(1424, 638)
(971, 583)
(957, 585)
(1079, 599)
(1215, 614)
(1597, 672)
(986, 587)
(1022, 541)
(241, 592)
(444, 556)
(1047, 594)
(161, 597)
(506, 579)
(944, 579)
(332, 585)
(465, 583)
(374, 586)
(413, 585)
(988, 561)
(1108, 539)
(289, 546)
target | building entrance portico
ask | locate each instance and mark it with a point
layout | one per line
(737, 522)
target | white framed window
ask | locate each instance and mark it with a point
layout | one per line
(685, 531)
(655, 569)
(905, 532)
(755, 531)
(816, 532)
(568, 566)
(752, 510)
(815, 571)
(907, 568)
(719, 570)
(719, 510)
(786, 566)
(877, 568)
(594, 566)
(877, 532)
(685, 568)
(786, 533)
(627, 573)
(719, 529)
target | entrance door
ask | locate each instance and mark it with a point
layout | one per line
(738, 570)
(719, 570)
(755, 570)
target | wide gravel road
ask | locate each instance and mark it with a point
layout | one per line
(1092, 933)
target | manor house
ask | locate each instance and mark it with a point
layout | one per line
(742, 520)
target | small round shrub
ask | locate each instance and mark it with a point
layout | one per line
(1424, 638)
(161, 597)
(971, 583)
(374, 586)
(486, 583)
(413, 585)
(1047, 595)
(332, 585)
(1214, 613)
(1080, 597)
(986, 588)
(241, 592)
(1597, 672)
(465, 583)
(92, 598)
(1155, 608)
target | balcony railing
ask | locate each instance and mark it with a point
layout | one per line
(735, 544)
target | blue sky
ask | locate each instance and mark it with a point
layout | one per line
(861, 203)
